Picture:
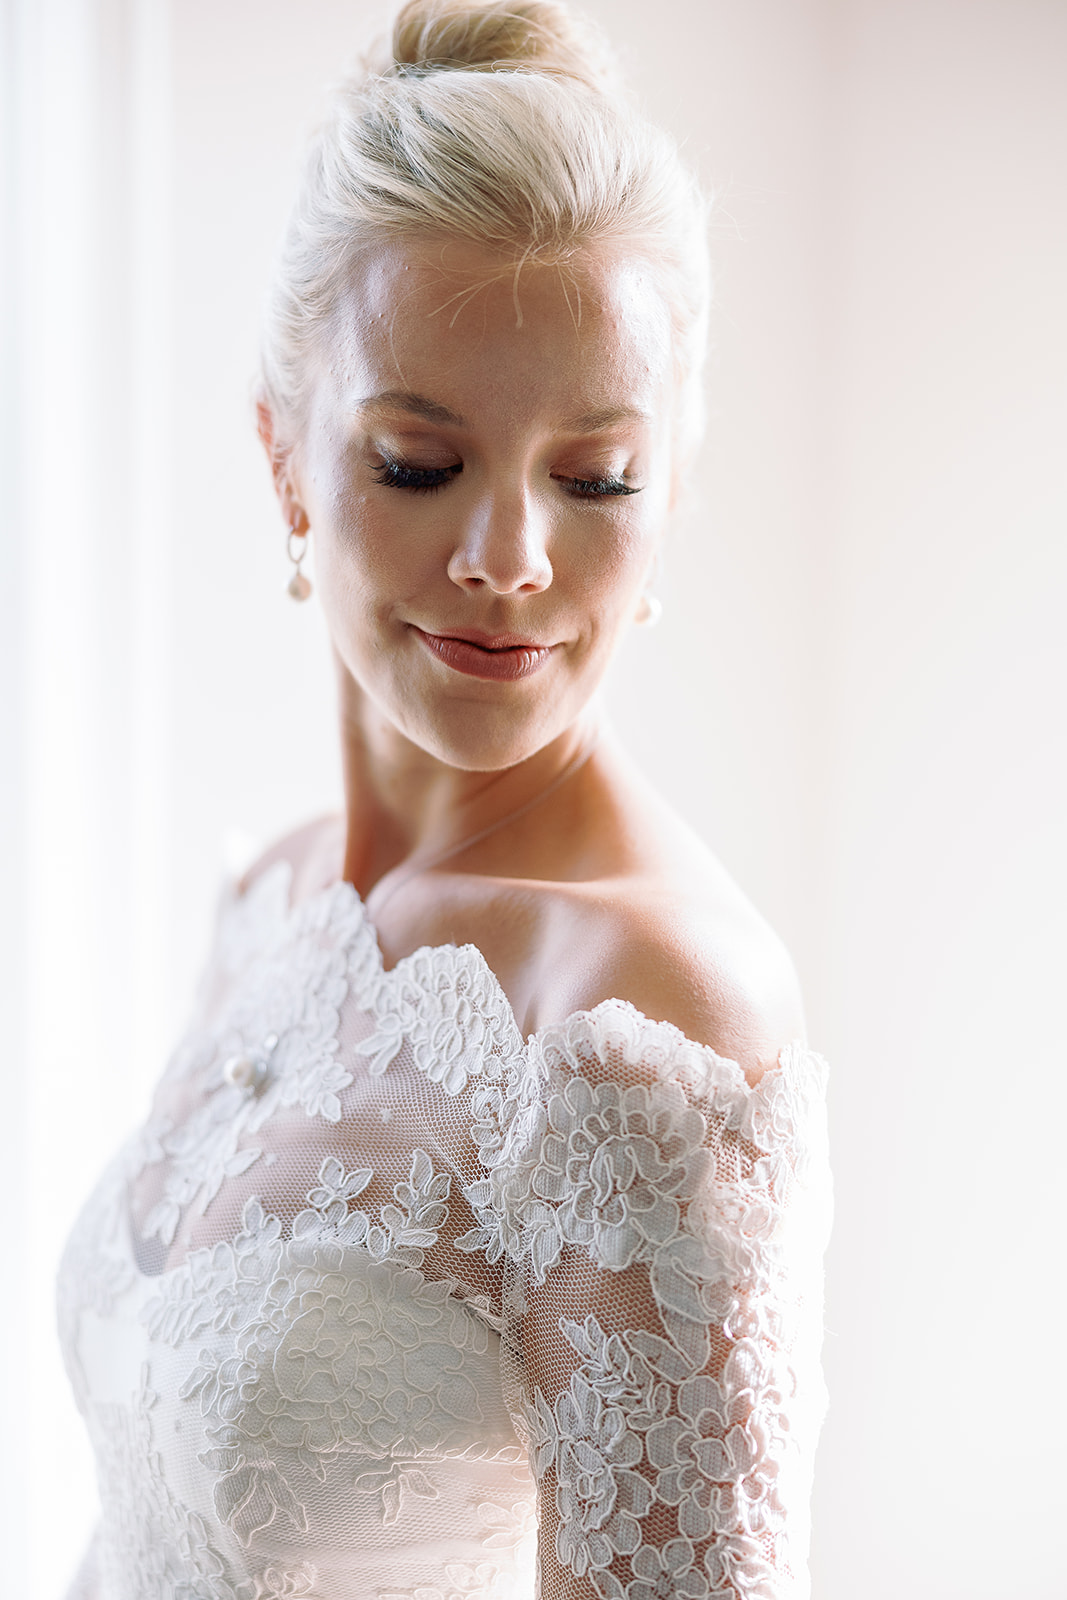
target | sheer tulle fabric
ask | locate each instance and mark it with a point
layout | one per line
(418, 1310)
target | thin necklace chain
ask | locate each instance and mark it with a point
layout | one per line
(419, 864)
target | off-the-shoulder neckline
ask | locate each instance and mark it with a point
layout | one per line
(277, 879)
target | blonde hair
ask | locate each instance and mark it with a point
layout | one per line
(502, 124)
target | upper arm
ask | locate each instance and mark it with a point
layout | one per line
(664, 1310)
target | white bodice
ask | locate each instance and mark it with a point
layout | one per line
(382, 1291)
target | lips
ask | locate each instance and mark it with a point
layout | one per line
(499, 658)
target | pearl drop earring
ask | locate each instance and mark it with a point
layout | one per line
(649, 610)
(298, 586)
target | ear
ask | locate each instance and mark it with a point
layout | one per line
(280, 456)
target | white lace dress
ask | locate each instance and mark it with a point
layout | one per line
(414, 1296)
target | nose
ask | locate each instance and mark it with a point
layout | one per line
(503, 547)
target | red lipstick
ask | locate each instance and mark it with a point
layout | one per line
(498, 657)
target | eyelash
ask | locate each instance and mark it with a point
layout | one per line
(597, 488)
(427, 480)
(423, 480)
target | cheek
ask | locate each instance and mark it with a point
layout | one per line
(611, 567)
(344, 513)
(375, 566)
(359, 541)
(347, 565)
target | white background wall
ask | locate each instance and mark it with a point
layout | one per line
(855, 692)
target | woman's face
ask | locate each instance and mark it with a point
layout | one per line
(486, 469)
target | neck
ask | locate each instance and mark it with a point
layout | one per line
(404, 805)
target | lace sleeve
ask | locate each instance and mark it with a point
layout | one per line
(664, 1227)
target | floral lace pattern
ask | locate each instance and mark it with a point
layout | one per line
(285, 1017)
(451, 1013)
(426, 1296)
(153, 1545)
(705, 1199)
(321, 1358)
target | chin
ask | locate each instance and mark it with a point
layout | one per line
(487, 738)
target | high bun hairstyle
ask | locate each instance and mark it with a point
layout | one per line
(502, 124)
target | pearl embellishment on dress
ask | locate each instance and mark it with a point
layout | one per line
(248, 1071)
(243, 1072)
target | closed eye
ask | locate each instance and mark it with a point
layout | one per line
(596, 488)
(397, 475)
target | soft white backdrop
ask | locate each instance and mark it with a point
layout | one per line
(855, 693)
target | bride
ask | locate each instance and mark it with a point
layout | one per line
(472, 1247)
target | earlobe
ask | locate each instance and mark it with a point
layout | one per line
(649, 610)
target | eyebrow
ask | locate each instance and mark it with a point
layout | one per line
(597, 421)
(417, 404)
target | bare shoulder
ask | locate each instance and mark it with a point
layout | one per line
(701, 958)
(310, 850)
